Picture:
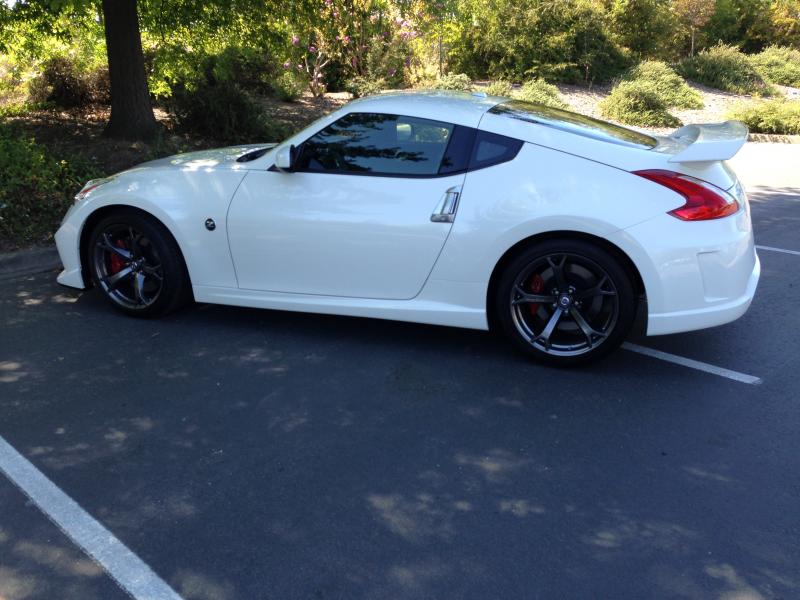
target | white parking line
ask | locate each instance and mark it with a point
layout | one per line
(771, 249)
(692, 364)
(127, 569)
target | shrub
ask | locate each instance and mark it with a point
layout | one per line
(221, 112)
(36, 189)
(364, 86)
(541, 92)
(634, 103)
(63, 84)
(289, 86)
(499, 88)
(725, 68)
(666, 83)
(769, 116)
(452, 81)
(778, 64)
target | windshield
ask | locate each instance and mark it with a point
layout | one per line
(573, 123)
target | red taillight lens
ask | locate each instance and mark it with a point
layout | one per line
(703, 200)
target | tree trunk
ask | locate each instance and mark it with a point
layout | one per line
(691, 52)
(131, 112)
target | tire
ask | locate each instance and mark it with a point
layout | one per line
(565, 302)
(137, 265)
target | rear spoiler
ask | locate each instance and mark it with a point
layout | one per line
(711, 142)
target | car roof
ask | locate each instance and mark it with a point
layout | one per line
(460, 108)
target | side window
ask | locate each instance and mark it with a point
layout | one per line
(492, 149)
(377, 144)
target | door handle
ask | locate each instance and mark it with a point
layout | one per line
(445, 211)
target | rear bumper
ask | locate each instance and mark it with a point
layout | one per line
(711, 316)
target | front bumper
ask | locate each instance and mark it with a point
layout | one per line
(68, 245)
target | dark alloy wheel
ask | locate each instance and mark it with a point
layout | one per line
(137, 265)
(565, 302)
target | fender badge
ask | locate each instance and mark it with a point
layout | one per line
(210, 225)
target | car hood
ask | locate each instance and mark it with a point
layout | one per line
(217, 158)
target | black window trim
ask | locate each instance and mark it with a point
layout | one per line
(437, 175)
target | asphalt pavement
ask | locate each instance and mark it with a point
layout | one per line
(244, 454)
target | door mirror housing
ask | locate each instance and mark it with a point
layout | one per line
(285, 158)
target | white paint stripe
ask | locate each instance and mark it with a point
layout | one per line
(127, 569)
(771, 249)
(692, 364)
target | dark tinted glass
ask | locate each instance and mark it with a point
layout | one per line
(456, 157)
(491, 149)
(573, 122)
(365, 143)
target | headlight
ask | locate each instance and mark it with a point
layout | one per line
(90, 186)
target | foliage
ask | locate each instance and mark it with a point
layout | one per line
(666, 84)
(289, 86)
(457, 82)
(564, 40)
(35, 189)
(222, 112)
(725, 68)
(499, 88)
(63, 84)
(635, 103)
(645, 27)
(541, 92)
(363, 86)
(769, 116)
(694, 14)
(779, 64)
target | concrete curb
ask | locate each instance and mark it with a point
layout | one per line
(772, 138)
(28, 262)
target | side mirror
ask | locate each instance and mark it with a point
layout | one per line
(285, 158)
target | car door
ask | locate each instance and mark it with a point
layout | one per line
(364, 213)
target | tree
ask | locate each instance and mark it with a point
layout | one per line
(642, 26)
(131, 112)
(694, 14)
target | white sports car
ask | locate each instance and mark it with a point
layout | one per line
(446, 208)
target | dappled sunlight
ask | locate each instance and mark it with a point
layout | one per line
(496, 466)
(738, 588)
(416, 577)
(11, 371)
(417, 517)
(636, 535)
(709, 475)
(192, 585)
(521, 507)
(58, 559)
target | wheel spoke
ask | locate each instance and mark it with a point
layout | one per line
(112, 281)
(528, 298)
(544, 337)
(597, 290)
(108, 245)
(558, 271)
(587, 329)
(138, 288)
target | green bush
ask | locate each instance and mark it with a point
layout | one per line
(541, 92)
(778, 64)
(63, 84)
(36, 189)
(289, 86)
(769, 116)
(499, 88)
(666, 83)
(225, 113)
(725, 68)
(364, 86)
(454, 81)
(634, 103)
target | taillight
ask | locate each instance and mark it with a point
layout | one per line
(703, 200)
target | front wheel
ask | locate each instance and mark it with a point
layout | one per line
(565, 302)
(137, 265)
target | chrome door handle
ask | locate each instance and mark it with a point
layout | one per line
(445, 211)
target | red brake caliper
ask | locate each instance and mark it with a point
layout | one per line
(537, 285)
(117, 263)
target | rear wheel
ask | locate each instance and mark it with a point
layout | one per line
(137, 264)
(565, 302)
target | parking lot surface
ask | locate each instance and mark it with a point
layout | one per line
(245, 454)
